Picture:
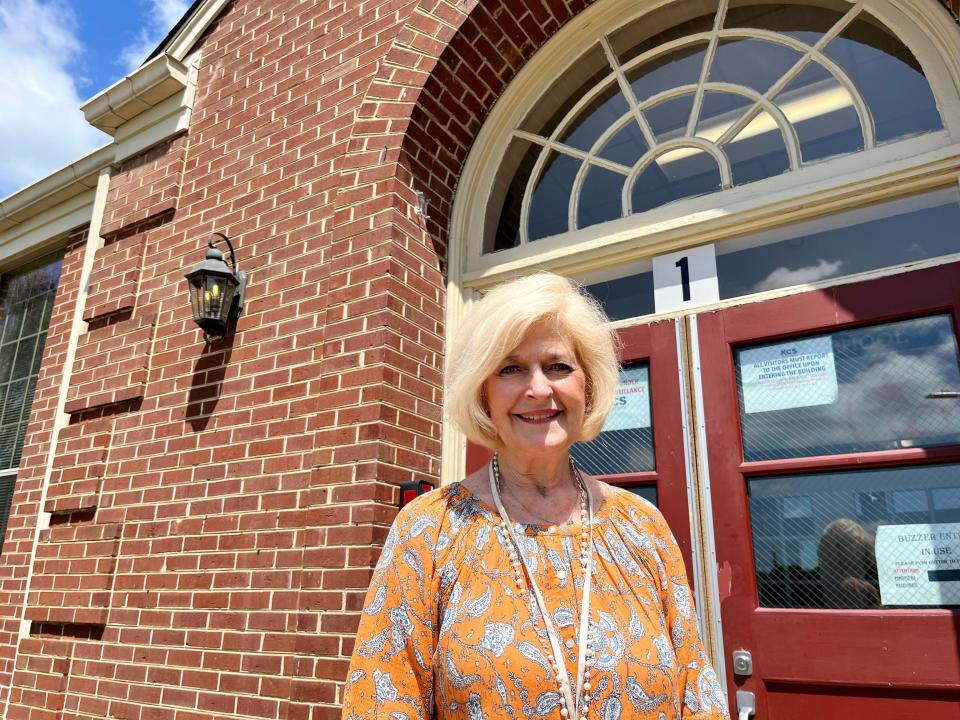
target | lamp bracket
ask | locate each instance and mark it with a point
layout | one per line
(211, 243)
(423, 205)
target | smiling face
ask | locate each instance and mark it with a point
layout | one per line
(537, 396)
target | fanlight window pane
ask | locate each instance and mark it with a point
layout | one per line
(822, 113)
(801, 22)
(605, 110)
(756, 64)
(758, 151)
(668, 119)
(668, 71)
(719, 111)
(768, 89)
(626, 147)
(888, 77)
(548, 209)
(600, 199)
(676, 174)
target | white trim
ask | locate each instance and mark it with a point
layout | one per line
(45, 230)
(166, 119)
(701, 584)
(714, 634)
(61, 419)
(73, 179)
(187, 36)
(139, 91)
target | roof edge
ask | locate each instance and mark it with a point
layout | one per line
(185, 34)
(70, 180)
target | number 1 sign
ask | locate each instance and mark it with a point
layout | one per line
(685, 278)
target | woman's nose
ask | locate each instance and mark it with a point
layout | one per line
(539, 385)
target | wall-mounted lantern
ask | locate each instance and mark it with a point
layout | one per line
(216, 290)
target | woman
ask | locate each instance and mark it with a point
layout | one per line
(530, 590)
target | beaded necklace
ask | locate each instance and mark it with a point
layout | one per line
(571, 706)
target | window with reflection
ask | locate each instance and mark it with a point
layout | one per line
(856, 241)
(625, 444)
(863, 539)
(26, 303)
(878, 387)
(693, 98)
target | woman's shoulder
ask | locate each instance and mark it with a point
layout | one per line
(449, 510)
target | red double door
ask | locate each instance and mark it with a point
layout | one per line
(806, 452)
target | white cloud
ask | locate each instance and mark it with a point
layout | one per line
(784, 277)
(160, 19)
(41, 126)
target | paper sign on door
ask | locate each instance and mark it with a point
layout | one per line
(631, 409)
(919, 564)
(799, 373)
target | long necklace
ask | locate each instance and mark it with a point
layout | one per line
(572, 705)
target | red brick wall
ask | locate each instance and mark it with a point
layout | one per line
(218, 508)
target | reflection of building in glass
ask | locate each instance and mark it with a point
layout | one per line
(806, 545)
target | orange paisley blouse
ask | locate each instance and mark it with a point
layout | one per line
(445, 633)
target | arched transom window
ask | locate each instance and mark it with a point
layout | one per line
(695, 98)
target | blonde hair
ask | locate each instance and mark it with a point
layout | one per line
(499, 322)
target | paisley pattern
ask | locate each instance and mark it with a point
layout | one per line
(445, 633)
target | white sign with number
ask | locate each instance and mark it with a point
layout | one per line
(685, 278)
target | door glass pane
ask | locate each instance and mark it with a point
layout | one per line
(625, 445)
(647, 492)
(857, 539)
(872, 388)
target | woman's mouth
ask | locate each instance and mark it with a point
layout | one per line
(536, 417)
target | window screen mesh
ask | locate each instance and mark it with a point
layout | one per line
(861, 539)
(625, 445)
(879, 387)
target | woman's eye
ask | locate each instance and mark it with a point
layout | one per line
(509, 370)
(559, 367)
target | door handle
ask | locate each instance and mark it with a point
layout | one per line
(746, 705)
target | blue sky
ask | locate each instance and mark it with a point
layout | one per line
(54, 55)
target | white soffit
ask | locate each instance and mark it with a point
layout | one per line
(141, 90)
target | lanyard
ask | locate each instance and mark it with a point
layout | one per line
(554, 637)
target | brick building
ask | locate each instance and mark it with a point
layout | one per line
(192, 525)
